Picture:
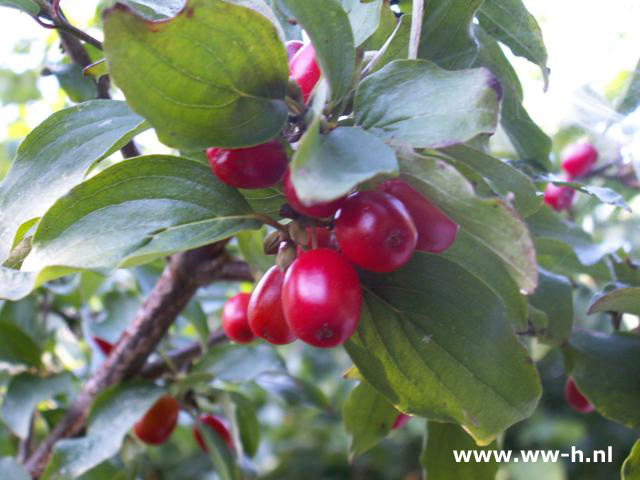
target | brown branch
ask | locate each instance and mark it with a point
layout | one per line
(183, 275)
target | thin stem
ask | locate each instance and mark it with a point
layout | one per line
(416, 28)
(266, 219)
(314, 236)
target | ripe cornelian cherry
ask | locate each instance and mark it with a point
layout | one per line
(219, 425)
(104, 346)
(436, 231)
(235, 321)
(322, 298)
(253, 167)
(576, 399)
(559, 198)
(266, 317)
(304, 68)
(401, 420)
(579, 160)
(158, 423)
(292, 47)
(375, 231)
(318, 210)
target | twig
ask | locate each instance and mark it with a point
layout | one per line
(416, 28)
(266, 219)
(183, 275)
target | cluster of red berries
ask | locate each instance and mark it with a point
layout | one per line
(156, 426)
(578, 162)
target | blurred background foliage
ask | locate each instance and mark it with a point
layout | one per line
(298, 391)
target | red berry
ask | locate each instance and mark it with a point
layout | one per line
(325, 238)
(219, 425)
(304, 68)
(401, 420)
(436, 231)
(235, 321)
(579, 160)
(375, 231)
(576, 399)
(103, 345)
(318, 210)
(322, 298)
(158, 423)
(560, 198)
(253, 167)
(266, 317)
(292, 47)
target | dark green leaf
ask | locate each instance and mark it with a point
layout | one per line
(135, 211)
(438, 458)
(73, 81)
(489, 221)
(12, 470)
(436, 357)
(554, 299)
(607, 372)
(419, 103)
(197, 77)
(631, 467)
(326, 167)
(114, 413)
(24, 393)
(328, 26)
(240, 364)
(446, 38)
(17, 347)
(368, 418)
(510, 22)
(265, 200)
(55, 157)
(28, 6)
(364, 18)
(623, 300)
(291, 390)
(247, 420)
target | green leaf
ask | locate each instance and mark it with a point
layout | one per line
(419, 103)
(328, 166)
(554, 299)
(631, 466)
(439, 463)
(240, 364)
(623, 300)
(27, 6)
(504, 179)
(12, 470)
(113, 414)
(17, 347)
(433, 356)
(446, 38)
(72, 80)
(24, 393)
(368, 418)
(364, 17)
(607, 372)
(328, 26)
(510, 22)
(219, 453)
(291, 390)
(55, 157)
(603, 194)
(246, 419)
(489, 221)
(137, 210)
(214, 75)
(529, 141)
(250, 244)
(118, 312)
(265, 200)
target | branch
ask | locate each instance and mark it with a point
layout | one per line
(183, 275)
(416, 28)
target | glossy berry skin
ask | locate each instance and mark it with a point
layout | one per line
(559, 198)
(322, 298)
(158, 423)
(579, 160)
(104, 346)
(436, 231)
(375, 231)
(304, 68)
(317, 210)
(235, 321)
(401, 420)
(266, 317)
(292, 47)
(219, 425)
(253, 167)
(576, 399)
